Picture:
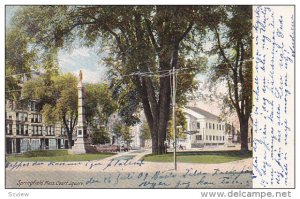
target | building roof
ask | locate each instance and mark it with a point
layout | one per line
(203, 112)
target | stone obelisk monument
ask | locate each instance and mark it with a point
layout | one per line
(81, 142)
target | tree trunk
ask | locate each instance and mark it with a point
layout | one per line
(164, 111)
(244, 134)
(154, 145)
(70, 140)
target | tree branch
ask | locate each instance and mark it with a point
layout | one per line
(150, 32)
(151, 95)
(241, 63)
(230, 95)
(185, 32)
(143, 95)
(221, 49)
(236, 89)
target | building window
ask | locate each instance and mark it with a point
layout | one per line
(213, 137)
(50, 130)
(33, 130)
(198, 137)
(217, 138)
(22, 129)
(33, 106)
(223, 138)
(26, 129)
(25, 117)
(36, 118)
(62, 131)
(198, 125)
(210, 137)
(37, 130)
(213, 126)
(8, 115)
(8, 129)
(17, 129)
(206, 137)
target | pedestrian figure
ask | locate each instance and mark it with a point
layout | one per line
(180, 147)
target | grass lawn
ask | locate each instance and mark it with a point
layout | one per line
(56, 156)
(208, 157)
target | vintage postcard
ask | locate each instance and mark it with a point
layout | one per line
(149, 96)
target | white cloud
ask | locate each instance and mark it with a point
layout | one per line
(85, 59)
(82, 52)
(66, 60)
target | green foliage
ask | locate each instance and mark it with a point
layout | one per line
(18, 60)
(100, 136)
(234, 69)
(45, 153)
(65, 87)
(57, 96)
(99, 102)
(181, 125)
(122, 131)
(61, 158)
(149, 40)
(145, 131)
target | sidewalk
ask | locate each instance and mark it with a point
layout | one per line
(126, 170)
(131, 162)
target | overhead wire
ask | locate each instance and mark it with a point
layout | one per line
(161, 73)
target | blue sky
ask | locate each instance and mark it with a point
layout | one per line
(85, 59)
(80, 58)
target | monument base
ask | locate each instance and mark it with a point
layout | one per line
(80, 146)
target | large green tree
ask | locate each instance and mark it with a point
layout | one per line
(233, 44)
(147, 41)
(18, 62)
(122, 132)
(57, 97)
(99, 135)
(99, 103)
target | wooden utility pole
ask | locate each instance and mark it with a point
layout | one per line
(174, 116)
